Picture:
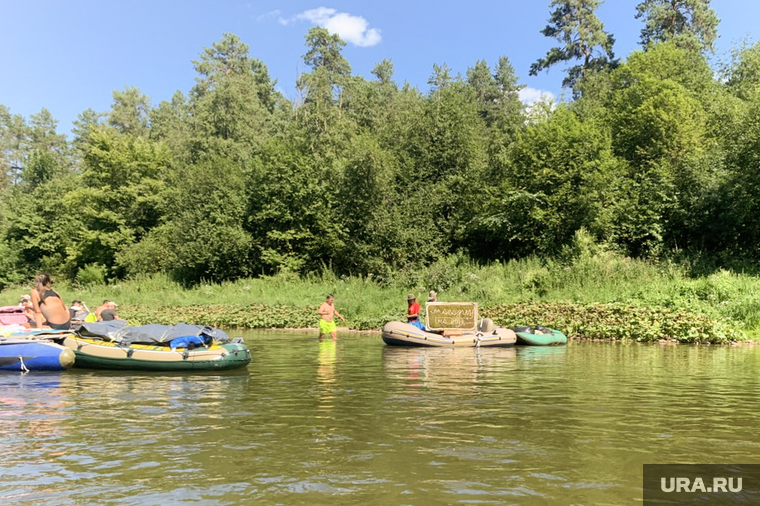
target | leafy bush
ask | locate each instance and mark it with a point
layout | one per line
(91, 274)
(617, 321)
(578, 321)
(9, 273)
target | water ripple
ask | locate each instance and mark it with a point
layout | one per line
(355, 421)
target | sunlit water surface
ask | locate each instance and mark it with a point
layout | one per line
(357, 422)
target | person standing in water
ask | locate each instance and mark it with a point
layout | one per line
(49, 308)
(327, 312)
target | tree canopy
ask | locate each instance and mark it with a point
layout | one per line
(654, 153)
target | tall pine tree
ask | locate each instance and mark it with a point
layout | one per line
(574, 24)
(691, 23)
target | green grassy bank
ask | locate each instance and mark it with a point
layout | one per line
(590, 295)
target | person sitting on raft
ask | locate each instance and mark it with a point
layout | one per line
(26, 303)
(413, 312)
(49, 308)
(109, 313)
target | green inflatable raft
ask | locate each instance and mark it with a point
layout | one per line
(539, 336)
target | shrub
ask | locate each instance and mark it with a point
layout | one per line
(91, 274)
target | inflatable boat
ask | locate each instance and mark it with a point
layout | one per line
(97, 354)
(539, 336)
(403, 334)
(20, 353)
(111, 345)
(12, 315)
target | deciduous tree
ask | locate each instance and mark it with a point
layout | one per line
(123, 195)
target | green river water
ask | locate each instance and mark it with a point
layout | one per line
(358, 422)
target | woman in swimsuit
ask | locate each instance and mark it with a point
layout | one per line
(48, 305)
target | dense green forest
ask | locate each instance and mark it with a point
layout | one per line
(655, 154)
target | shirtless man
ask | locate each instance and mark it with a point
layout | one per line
(100, 308)
(48, 305)
(326, 323)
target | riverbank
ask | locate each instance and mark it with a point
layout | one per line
(578, 321)
(592, 296)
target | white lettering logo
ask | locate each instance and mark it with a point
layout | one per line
(698, 485)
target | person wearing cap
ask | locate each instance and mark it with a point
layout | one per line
(74, 308)
(109, 313)
(78, 311)
(413, 312)
(26, 303)
(432, 296)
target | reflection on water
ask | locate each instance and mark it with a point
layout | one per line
(355, 421)
(326, 359)
(459, 369)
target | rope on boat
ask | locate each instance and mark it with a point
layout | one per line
(23, 365)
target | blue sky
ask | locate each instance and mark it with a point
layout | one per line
(71, 55)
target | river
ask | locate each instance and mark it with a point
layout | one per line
(358, 422)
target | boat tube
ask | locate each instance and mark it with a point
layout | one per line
(30, 354)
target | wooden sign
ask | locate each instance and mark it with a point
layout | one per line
(451, 316)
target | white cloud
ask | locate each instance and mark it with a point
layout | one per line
(538, 104)
(353, 29)
(529, 95)
(268, 15)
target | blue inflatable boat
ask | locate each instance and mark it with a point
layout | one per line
(25, 354)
